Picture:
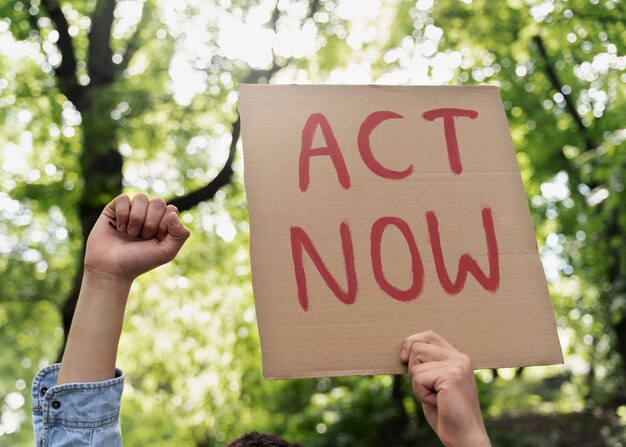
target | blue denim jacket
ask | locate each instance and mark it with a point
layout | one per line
(76, 414)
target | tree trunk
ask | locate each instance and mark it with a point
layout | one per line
(101, 165)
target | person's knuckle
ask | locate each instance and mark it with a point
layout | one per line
(122, 202)
(455, 374)
(158, 201)
(460, 370)
(141, 197)
(416, 348)
(464, 361)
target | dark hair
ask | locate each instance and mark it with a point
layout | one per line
(255, 439)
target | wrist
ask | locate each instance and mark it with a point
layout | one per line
(479, 438)
(94, 278)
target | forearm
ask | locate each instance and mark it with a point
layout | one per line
(95, 332)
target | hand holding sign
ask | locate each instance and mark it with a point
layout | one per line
(443, 381)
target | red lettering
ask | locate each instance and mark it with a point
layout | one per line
(331, 149)
(299, 241)
(365, 149)
(466, 262)
(450, 132)
(417, 267)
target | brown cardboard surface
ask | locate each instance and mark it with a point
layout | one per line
(512, 325)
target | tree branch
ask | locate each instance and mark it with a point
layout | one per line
(557, 85)
(100, 63)
(314, 6)
(224, 177)
(66, 71)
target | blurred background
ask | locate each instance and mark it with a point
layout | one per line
(100, 97)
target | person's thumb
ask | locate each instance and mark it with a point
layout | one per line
(176, 236)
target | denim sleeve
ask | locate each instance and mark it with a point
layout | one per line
(76, 414)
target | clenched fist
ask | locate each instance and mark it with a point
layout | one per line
(132, 237)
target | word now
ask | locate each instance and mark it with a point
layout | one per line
(332, 150)
(300, 242)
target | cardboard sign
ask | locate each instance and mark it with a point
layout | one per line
(377, 212)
